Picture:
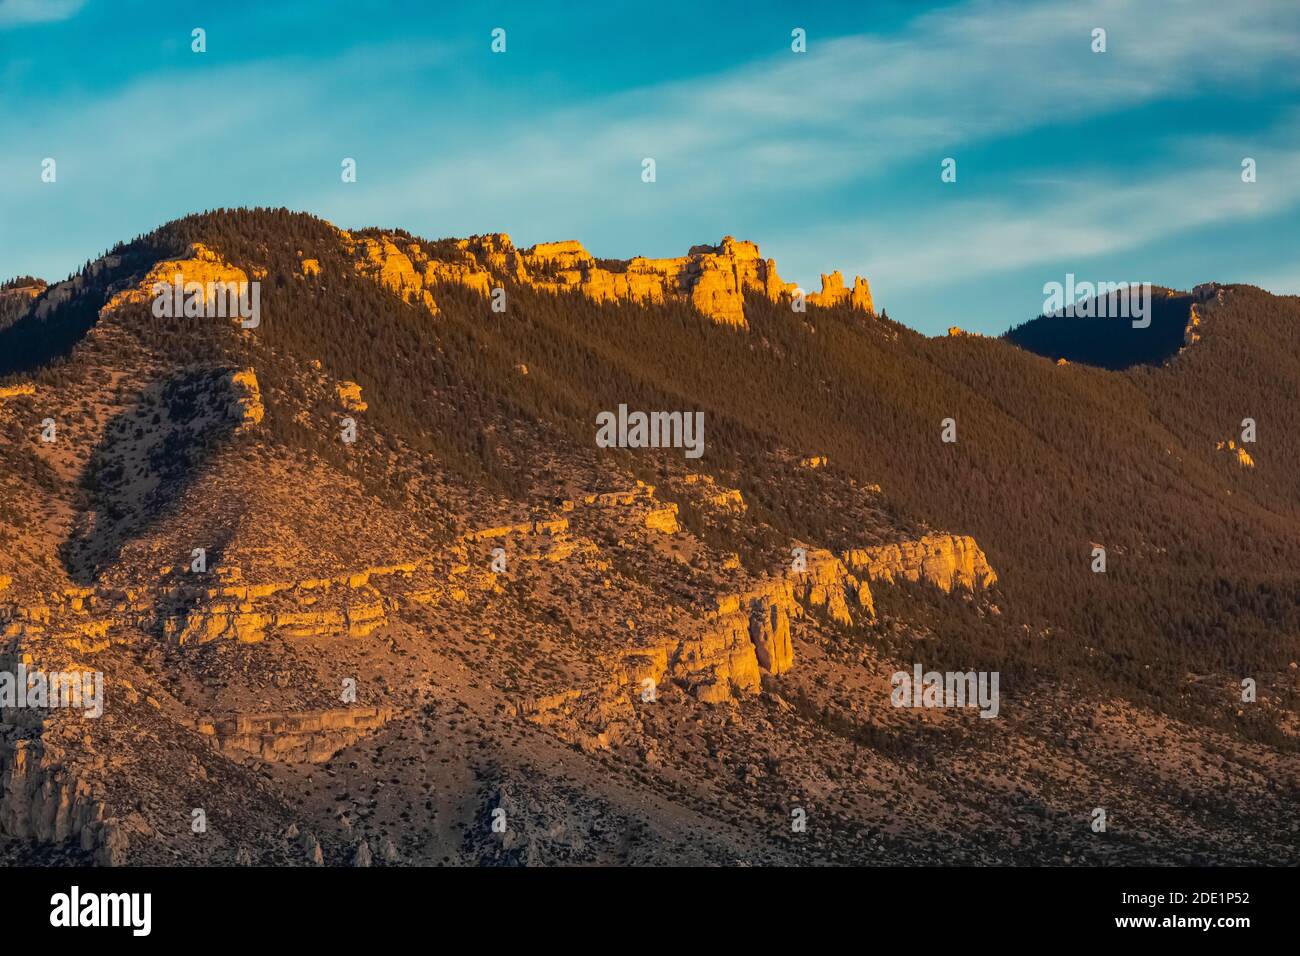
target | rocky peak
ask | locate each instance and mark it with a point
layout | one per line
(833, 292)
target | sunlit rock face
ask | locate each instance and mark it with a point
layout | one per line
(945, 560)
(714, 279)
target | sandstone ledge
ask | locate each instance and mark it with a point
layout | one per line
(713, 279)
(304, 736)
(945, 560)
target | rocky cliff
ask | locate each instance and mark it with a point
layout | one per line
(714, 279)
(945, 560)
(44, 800)
(200, 265)
(744, 635)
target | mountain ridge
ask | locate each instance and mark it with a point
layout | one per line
(827, 538)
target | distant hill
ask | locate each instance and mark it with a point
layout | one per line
(1109, 340)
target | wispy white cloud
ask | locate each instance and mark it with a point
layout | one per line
(21, 12)
(1090, 217)
(852, 107)
(186, 120)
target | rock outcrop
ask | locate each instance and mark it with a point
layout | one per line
(246, 406)
(304, 737)
(662, 519)
(17, 391)
(769, 629)
(346, 605)
(1208, 296)
(705, 492)
(834, 293)
(383, 261)
(42, 799)
(828, 584)
(742, 637)
(202, 266)
(714, 279)
(196, 611)
(1191, 332)
(1237, 451)
(220, 605)
(349, 396)
(945, 560)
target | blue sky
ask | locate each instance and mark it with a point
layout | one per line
(1124, 165)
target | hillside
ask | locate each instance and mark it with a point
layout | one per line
(472, 374)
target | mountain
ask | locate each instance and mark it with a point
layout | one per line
(1095, 333)
(366, 583)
